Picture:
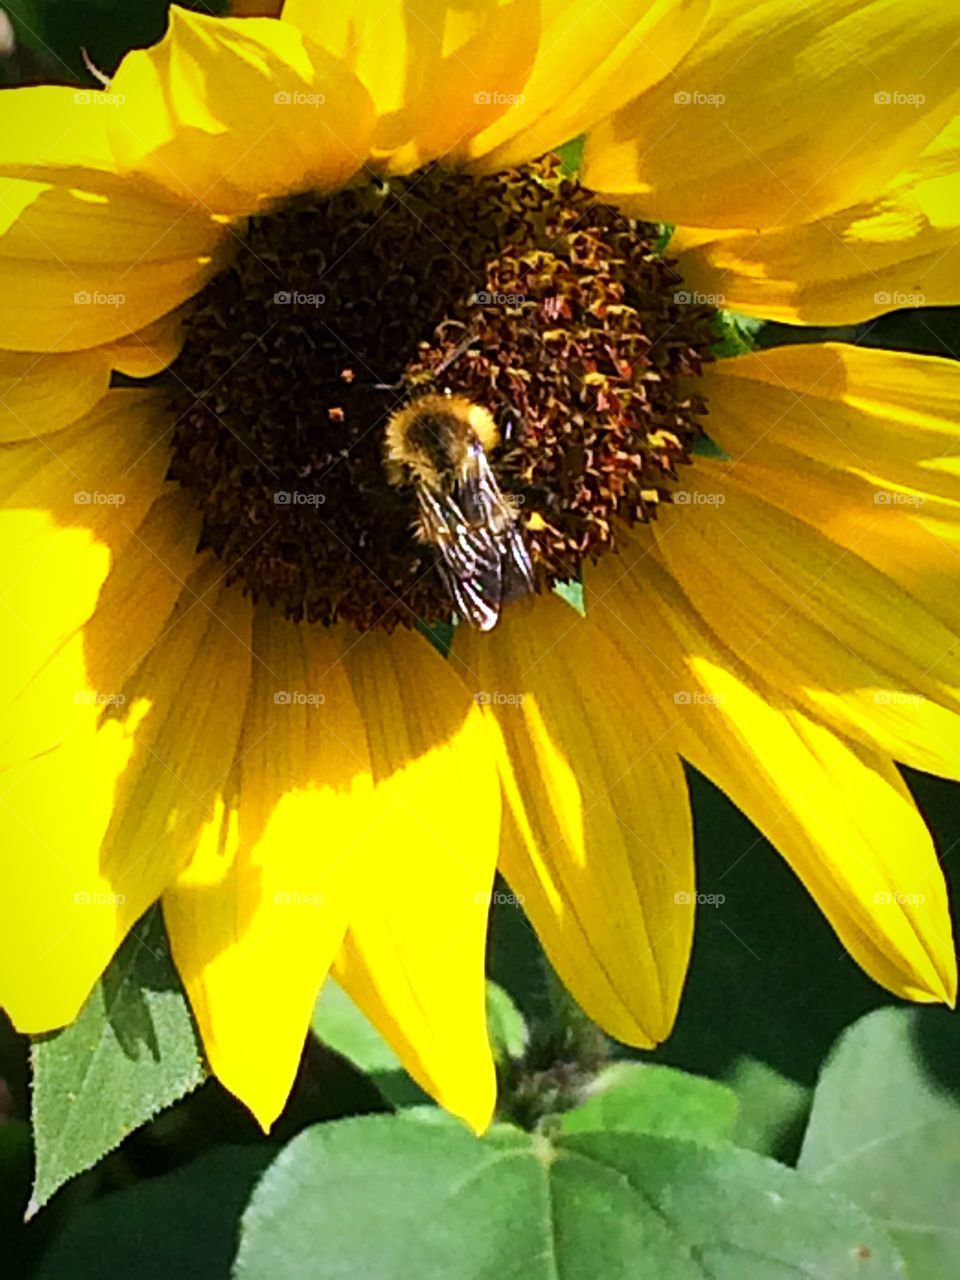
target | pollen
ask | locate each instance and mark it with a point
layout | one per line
(545, 312)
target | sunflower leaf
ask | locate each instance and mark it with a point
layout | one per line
(343, 1027)
(340, 1025)
(571, 155)
(737, 334)
(389, 1197)
(131, 1052)
(885, 1130)
(655, 1100)
(772, 1109)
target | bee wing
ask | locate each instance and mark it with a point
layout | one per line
(483, 560)
(516, 568)
(468, 566)
(482, 500)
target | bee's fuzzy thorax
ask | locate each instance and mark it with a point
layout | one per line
(427, 438)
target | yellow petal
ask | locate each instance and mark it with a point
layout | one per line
(424, 856)
(85, 258)
(599, 846)
(40, 394)
(778, 113)
(231, 114)
(151, 350)
(257, 917)
(587, 65)
(887, 415)
(911, 536)
(69, 507)
(898, 249)
(864, 445)
(839, 814)
(108, 736)
(52, 130)
(859, 444)
(438, 72)
(816, 620)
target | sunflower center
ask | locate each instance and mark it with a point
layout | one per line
(521, 293)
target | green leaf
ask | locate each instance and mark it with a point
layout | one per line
(571, 155)
(656, 1100)
(572, 593)
(885, 1130)
(737, 335)
(772, 1109)
(440, 635)
(340, 1025)
(131, 1052)
(344, 1028)
(508, 1031)
(182, 1225)
(391, 1198)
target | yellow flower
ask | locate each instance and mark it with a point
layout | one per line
(326, 793)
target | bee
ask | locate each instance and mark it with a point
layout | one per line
(438, 445)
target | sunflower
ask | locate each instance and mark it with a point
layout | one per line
(228, 271)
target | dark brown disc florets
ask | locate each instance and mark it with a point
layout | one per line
(520, 291)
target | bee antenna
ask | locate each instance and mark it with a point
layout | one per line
(444, 364)
(94, 70)
(455, 354)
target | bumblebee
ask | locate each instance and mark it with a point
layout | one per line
(437, 444)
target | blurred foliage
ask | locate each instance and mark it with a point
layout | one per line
(885, 1129)
(797, 1122)
(51, 35)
